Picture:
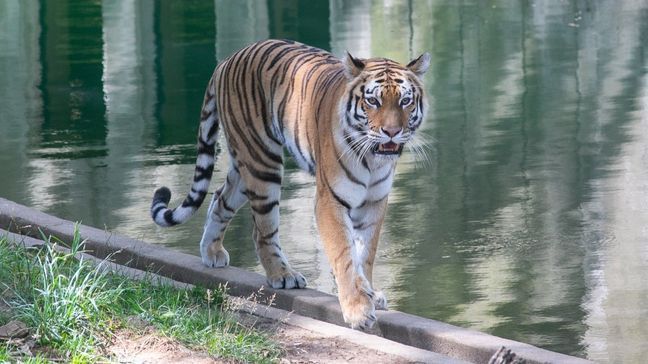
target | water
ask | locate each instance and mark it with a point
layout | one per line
(528, 221)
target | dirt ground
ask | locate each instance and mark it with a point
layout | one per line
(303, 346)
(300, 346)
(149, 347)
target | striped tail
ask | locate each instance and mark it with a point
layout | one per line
(160, 212)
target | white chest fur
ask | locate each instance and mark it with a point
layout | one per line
(380, 182)
(365, 186)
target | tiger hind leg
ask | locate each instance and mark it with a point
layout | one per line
(226, 201)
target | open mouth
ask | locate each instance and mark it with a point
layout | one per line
(389, 148)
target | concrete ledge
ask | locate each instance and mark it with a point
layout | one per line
(435, 336)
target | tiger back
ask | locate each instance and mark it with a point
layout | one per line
(344, 121)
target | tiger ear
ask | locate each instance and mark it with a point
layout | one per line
(420, 64)
(353, 66)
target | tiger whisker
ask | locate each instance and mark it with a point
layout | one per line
(359, 150)
(354, 144)
(419, 147)
(367, 147)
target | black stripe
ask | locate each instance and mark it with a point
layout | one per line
(267, 119)
(198, 191)
(219, 191)
(205, 114)
(298, 141)
(381, 180)
(204, 148)
(264, 176)
(378, 200)
(168, 217)
(190, 201)
(227, 207)
(349, 123)
(350, 176)
(363, 226)
(296, 62)
(339, 199)
(283, 52)
(279, 56)
(201, 173)
(327, 85)
(355, 110)
(279, 116)
(277, 158)
(155, 211)
(345, 249)
(270, 235)
(267, 116)
(255, 90)
(251, 195)
(252, 149)
(348, 173)
(349, 100)
(266, 208)
(212, 130)
(240, 78)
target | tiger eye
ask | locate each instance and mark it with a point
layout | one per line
(372, 101)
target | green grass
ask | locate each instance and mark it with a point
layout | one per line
(73, 308)
(7, 357)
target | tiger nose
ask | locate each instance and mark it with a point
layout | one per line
(391, 131)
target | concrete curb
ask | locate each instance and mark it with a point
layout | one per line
(435, 336)
(325, 329)
(103, 264)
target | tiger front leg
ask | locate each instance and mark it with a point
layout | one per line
(367, 221)
(346, 256)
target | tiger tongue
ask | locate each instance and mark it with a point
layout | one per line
(388, 147)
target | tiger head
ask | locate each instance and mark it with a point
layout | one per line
(385, 103)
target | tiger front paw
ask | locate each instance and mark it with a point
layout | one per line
(379, 300)
(359, 311)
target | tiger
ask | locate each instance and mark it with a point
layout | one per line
(344, 121)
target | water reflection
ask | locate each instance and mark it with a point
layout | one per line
(527, 221)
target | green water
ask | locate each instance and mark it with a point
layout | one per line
(528, 221)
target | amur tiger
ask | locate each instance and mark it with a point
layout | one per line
(344, 121)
